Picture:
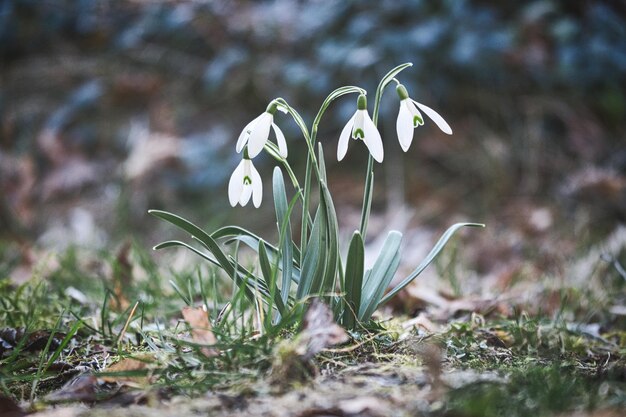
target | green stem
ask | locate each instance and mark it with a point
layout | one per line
(311, 163)
(305, 131)
(273, 151)
(369, 177)
(341, 91)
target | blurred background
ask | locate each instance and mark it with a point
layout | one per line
(110, 108)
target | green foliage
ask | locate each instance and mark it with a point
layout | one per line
(314, 266)
(354, 280)
(530, 391)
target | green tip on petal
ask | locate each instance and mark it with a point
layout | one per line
(417, 121)
(402, 93)
(361, 102)
(247, 180)
(358, 133)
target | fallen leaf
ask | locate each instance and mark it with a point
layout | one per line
(37, 340)
(129, 371)
(292, 358)
(421, 322)
(8, 408)
(320, 330)
(201, 330)
(81, 388)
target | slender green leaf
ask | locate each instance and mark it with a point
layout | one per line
(264, 262)
(353, 279)
(181, 294)
(329, 283)
(381, 275)
(251, 240)
(270, 278)
(314, 262)
(44, 354)
(199, 234)
(429, 258)
(240, 273)
(284, 229)
(178, 243)
(208, 242)
(68, 337)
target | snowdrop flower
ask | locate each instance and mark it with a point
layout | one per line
(244, 183)
(410, 117)
(360, 126)
(256, 133)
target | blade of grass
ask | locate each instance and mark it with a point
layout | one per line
(68, 336)
(42, 358)
(130, 317)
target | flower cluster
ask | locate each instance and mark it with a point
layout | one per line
(314, 264)
(245, 180)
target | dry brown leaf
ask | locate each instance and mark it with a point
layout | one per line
(320, 330)
(8, 408)
(442, 308)
(125, 368)
(201, 329)
(81, 388)
(292, 361)
(421, 322)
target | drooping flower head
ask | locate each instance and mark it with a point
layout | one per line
(245, 182)
(256, 133)
(410, 117)
(360, 126)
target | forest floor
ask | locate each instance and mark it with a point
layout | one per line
(95, 334)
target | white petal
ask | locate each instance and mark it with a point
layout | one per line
(259, 134)
(359, 119)
(404, 127)
(280, 140)
(445, 128)
(235, 185)
(372, 139)
(245, 134)
(344, 138)
(414, 112)
(245, 194)
(257, 186)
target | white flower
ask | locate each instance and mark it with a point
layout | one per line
(245, 182)
(410, 117)
(360, 126)
(256, 133)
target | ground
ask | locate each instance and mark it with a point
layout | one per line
(471, 358)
